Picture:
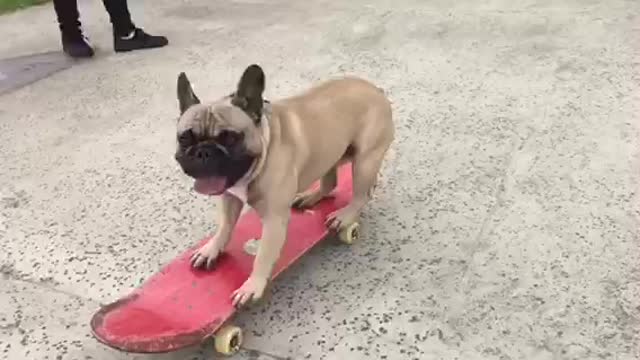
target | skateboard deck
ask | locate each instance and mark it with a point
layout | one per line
(181, 306)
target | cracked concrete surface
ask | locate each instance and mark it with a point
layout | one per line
(505, 225)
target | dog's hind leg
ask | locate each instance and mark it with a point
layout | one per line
(367, 161)
(365, 174)
(311, 197)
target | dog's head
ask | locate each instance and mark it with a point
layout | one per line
(218, 142)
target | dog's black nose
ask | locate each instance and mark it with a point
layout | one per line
(203, 154)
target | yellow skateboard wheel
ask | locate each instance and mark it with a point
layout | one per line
(228, 340)
(350, 234)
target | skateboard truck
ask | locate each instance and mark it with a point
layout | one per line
(251, 246)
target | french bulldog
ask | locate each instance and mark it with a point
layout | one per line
(244, 149)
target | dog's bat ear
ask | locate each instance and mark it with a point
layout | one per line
(251, 84)
(186, 96)
(248, 96)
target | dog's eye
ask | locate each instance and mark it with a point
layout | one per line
(186, 138)
(228, 138)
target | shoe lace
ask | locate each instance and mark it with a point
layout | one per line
(83, 37)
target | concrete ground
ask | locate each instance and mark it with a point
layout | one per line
(505, 226)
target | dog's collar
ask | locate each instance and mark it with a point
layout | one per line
(241, 187)
(266, 138)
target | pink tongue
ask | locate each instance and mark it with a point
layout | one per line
(210, 186)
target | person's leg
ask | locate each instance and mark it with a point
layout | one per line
(67, 13)
(73, 41)
(120, 17)
(126, 36)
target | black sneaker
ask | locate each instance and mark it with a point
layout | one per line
(137, 39)
(75, 44)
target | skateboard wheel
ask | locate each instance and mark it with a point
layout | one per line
(228, 340)
(350, 234)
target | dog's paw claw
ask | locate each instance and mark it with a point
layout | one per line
(339, 219)
(302, 201)
(205, 257)
(308, 200)
(251, 290)
(332, 222)
(297, 203)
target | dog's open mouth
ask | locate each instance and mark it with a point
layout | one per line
(214, 185)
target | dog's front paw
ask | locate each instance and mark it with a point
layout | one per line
(251, 290)
(206, 255)
(340, 219)
(306, 200)
(309, 198)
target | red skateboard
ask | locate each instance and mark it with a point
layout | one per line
(181, 306)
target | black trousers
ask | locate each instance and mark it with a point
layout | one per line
(69, 17)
